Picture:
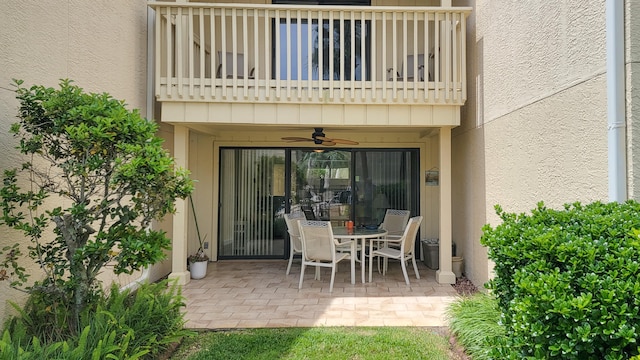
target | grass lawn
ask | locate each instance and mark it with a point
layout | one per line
(317, 343)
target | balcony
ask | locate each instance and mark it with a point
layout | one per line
(234, 53)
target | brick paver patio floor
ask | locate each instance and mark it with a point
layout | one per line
(256, 294)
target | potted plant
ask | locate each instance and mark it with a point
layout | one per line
(198, 261)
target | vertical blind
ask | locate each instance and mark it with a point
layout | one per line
(247, 178)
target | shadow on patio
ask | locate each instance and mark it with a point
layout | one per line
(257, 294)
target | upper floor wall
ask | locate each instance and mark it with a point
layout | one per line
(299, 54)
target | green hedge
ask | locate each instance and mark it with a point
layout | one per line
(567, 281)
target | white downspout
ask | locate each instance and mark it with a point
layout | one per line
(616, 101)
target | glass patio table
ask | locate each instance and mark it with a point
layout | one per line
(355, 234)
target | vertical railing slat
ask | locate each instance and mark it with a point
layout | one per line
(234, 52)
(405, 70)
(427, 55)
(245, 51)
(374, 69)
(190, 51)
(454, 48)
(288, 54)
(352, 64)
(447, 62)
(320, 54)
(256, 55)
(363, 57)
(331, 56)
(179, 51)
(268, 73)
(159, 21)
(436, 56)
(277, 51)
(383, 38)
(394, 58)
(299, 54)
(342, 54)
(203, 50)
(213, 55)
(223, 51)
(309, 56)
(463, 56)
(416, 58)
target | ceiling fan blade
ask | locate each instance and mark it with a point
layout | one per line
(328, 143)
(295, 138)
(345, 141)
(337, 141)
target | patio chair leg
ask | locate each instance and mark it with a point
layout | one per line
(301, 275)
(371, 263)
(333, 276)
(290, 261)
(404, 270)
(415, 267)
(317, 273)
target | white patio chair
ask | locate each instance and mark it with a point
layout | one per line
(229, 66)
(294, 235)
(395, 222)
(319, 248)
(404, 254)
(407, 69)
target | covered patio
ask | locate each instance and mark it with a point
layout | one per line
(258, 294)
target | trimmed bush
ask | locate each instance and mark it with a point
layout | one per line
(567, 281)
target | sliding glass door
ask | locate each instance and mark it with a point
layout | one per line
(252, 194)
(258, 186)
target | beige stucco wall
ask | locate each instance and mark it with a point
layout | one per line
(101, 45)
(632, 66)
(535, 127)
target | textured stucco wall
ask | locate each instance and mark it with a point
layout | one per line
(535, 127)
(632, 67)
(101, 45)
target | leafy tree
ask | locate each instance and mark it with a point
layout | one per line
(98, 176)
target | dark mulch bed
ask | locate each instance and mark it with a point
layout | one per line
(464, 286)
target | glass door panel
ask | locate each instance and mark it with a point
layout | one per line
(321, 184)
(252, 194)
(383, 180)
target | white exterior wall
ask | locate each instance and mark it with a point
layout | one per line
(101, 45)
(535, 127)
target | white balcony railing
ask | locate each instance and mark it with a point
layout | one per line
(310, 54)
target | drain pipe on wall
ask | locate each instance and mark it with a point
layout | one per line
(616, 101)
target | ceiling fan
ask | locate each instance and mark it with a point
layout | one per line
(318, 137)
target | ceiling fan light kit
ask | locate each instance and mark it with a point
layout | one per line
(319, 138)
